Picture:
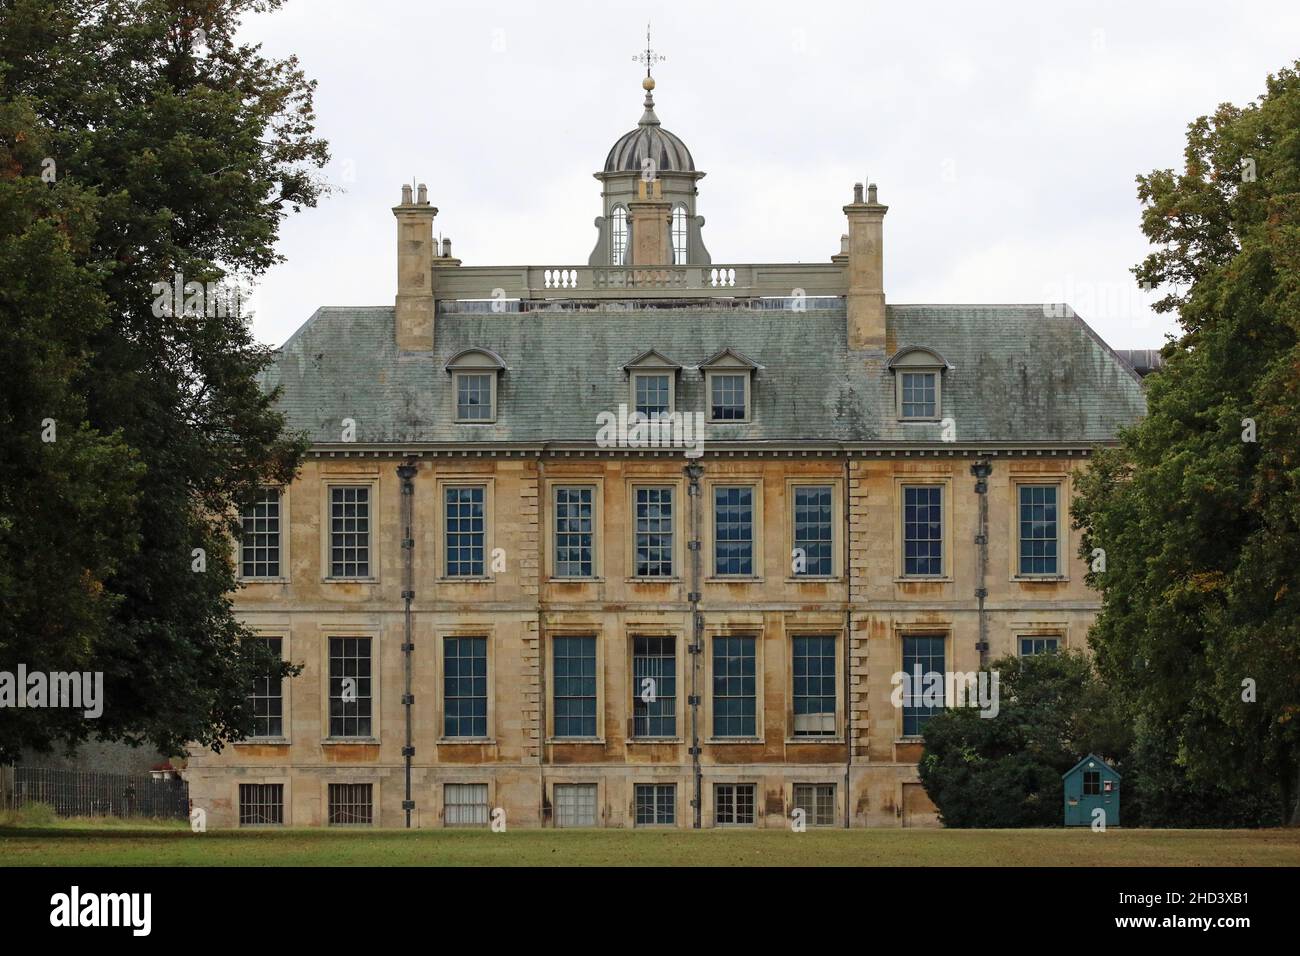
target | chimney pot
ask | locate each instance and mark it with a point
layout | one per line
(423, 196)
(857, 192)
(446, 248)
(871, 193)
(406, 194)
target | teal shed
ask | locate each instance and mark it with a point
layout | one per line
(1091, 785)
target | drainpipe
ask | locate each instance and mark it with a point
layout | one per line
(406, 472)
(848, 645)
(694, 471)
(981, 470)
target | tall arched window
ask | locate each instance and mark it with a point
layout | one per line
(679, 235)
(618, 237)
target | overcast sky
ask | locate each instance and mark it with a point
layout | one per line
(1004, 137)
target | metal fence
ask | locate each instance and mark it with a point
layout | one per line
(85, 793)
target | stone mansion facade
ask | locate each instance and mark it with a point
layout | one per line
(644, 542)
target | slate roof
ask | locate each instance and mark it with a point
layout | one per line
(1018, 374)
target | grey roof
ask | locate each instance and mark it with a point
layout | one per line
(649, 139)
(1019, 374)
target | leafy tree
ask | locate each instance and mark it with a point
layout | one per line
(1198, 508)
(190, 149)
(1005, 771)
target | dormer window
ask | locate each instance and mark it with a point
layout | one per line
(918, 383)
(474, 375)
(728, 380)
(653, 380)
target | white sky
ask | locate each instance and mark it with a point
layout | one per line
(1005, 137)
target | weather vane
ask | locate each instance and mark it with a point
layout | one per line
(649, 57)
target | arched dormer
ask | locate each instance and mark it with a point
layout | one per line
(474, 373)
(918, 383)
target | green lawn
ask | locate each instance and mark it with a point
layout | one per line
(168, 846)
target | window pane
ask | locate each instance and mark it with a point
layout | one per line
(923, 655)
(654, 532)
(652, 395)
(812, 529)
(351, 804)
(575, 805)
(1029, 646)
(817, 801)
(474, 396)
(679, 235)
(654, 687)
(1038, 544)
(618, 237)
(734, 687)
(727, 397)
(574, 532)
(656, 804)
(466, 533)
(260, 546)
(923, 530)
(733, 531)
(919, 395)
(574, 663)
(261, 804)
(349, 689)
(267, 697)
(350, 532)
(465, 804)
(814, 686)
(464, 686)
(733, 804)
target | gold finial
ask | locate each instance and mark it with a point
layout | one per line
(648, 83)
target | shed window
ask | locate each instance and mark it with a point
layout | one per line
(1091, 783)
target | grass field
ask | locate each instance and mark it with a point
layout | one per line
(68, 845)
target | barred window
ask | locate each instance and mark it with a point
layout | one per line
(261, 804)
(351, 804)
(923, 530)
(267, 698)
(1029, 646)
(466, 531)
(679, 235)
(350, 531)
(654, 532)
(923, 655)
(574, 532)
(574, 662)
(814, 686)
(618, 237)
(919, 395)
(1038, 544)
(575, 804)
(474, 396)
(350, 687)
(654, 687)
(733, 804)
(817, 801)
(465, 804)
(656, 804)
(653, 394)
(260, 546)
(733, 531)
(734, 687)
(813, 533)
(727, 397)
(464, 686)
